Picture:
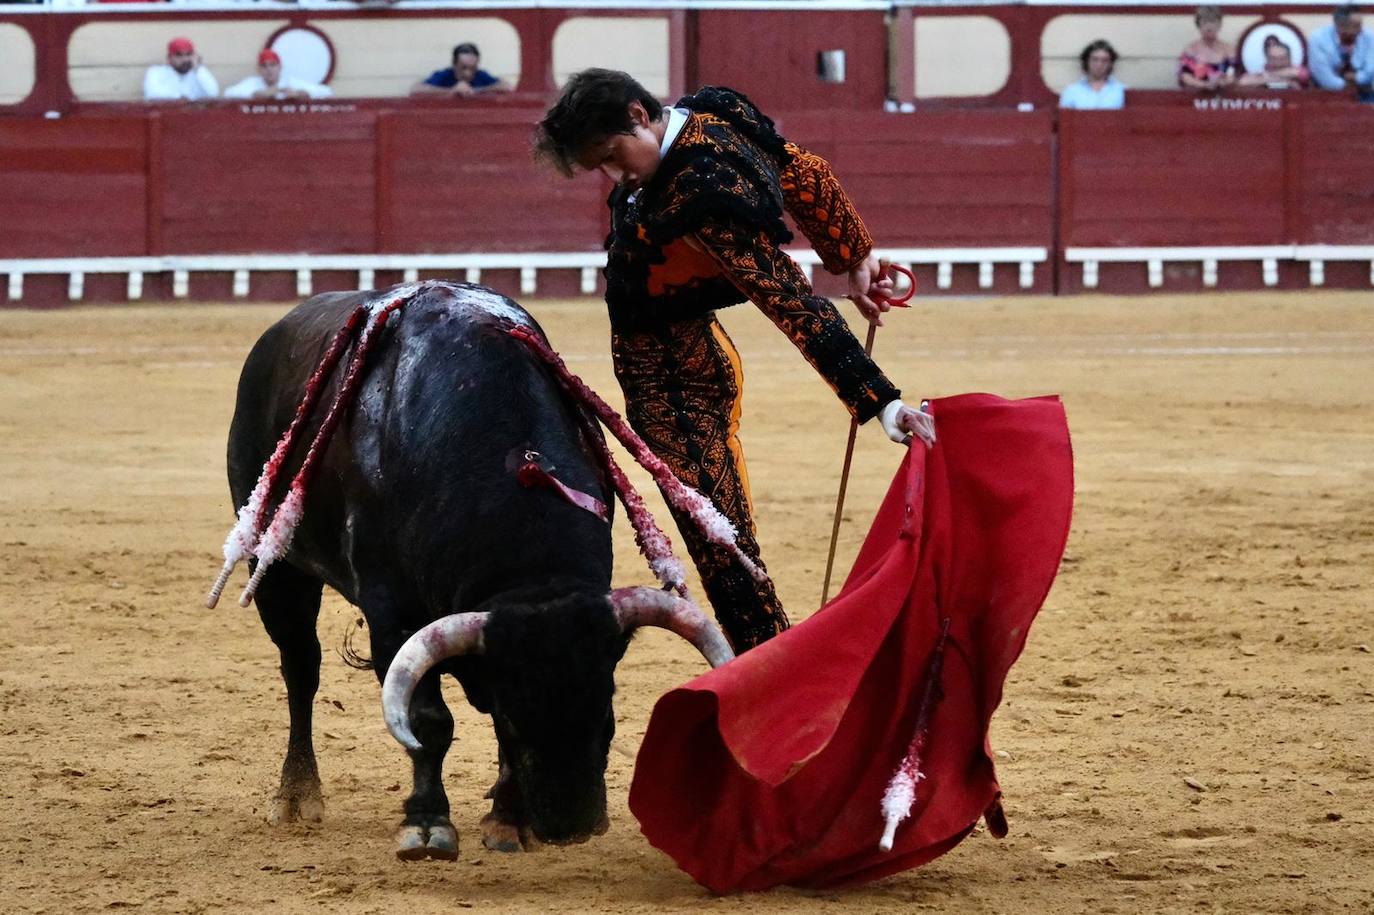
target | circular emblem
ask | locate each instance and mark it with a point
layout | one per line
(306, 53)
(1252, 44)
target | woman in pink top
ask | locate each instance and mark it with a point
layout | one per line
(1209, 62)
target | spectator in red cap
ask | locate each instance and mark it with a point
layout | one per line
(183, 76)
(271, 83)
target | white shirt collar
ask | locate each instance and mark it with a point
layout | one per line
(677, 119)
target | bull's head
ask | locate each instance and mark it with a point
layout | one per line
(551, 680)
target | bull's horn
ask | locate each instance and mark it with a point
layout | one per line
(651, 607)
(448, 637)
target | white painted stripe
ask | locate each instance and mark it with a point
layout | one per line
(495, 260)
(1334, 252)
(292, 262)
(587, 263)
(940, 255)
(1146, 255)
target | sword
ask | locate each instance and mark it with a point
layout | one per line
(854, 432)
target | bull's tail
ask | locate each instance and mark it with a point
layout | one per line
(349, 653)
(253, 535)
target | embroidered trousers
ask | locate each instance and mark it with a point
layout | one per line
(682, 388)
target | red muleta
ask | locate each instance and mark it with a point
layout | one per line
(773, 769)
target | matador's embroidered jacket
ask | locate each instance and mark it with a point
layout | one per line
(726, 181)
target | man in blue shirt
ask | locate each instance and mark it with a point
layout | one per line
(464, 79)
(1342, 54)
(1097, 89)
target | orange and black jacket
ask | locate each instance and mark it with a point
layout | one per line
(726, 182)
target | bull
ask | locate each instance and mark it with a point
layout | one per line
(459, 566)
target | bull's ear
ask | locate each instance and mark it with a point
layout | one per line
(641, 606)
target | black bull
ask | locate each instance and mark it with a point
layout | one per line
(416, 515)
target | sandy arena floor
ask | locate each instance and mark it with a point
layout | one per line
(1188, 731)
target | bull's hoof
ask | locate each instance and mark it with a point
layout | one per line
(304, 806)
(415, 843)
(442, 844)
(498, 835)
(410, 843)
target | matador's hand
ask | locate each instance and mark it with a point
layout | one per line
(868, 291)
(901, 423)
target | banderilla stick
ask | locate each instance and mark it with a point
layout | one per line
(844, 481)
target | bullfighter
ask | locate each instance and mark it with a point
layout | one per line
(697, 225)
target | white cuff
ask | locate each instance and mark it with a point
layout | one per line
(888, 418)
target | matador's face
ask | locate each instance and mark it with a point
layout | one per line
(628, 159)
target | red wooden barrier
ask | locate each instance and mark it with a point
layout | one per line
(458, 181)
(1171, 176)
(344, 178)
(235, 183)
(222, 181)
(73, 188)
(943, 179)
(1180, 177)
(1333, 175)
(771, 57)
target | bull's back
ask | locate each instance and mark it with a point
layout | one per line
(416, 484)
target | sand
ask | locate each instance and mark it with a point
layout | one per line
(1188, 730)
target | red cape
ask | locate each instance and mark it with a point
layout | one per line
(771, 769)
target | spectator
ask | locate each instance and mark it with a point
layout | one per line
(1342, 54)
(271, 84)
(183, 76)
(1278, 72)
(464, 79)
(1209, 62)
(1097, 89)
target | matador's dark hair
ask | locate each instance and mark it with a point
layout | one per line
(594, 105)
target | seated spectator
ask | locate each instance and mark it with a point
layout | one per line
(1342, 54)
(1209, 62)
(183, 76)
(1278, 72)
(464, 79)
(271, 84)
(1098, 89)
